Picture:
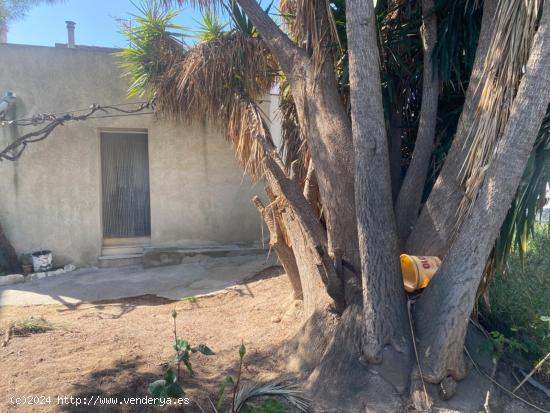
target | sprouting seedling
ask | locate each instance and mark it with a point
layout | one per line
(184, 349)
(242, 352)
(170, 385)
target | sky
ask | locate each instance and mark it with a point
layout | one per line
(96, 23)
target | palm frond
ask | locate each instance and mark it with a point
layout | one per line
(155, 44)
(210, 26)
(278, 388)
(515, 28)
(221, 80)
(294, 148)
(529, 200)
(311, 25)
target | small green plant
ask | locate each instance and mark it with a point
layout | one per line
(30, 325)
(498, 343)
(170, 385)
(191, 299)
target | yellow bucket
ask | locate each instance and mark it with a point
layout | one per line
(418, 271)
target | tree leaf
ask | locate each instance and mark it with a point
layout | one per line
(156, 389)
(202, 348)
(170, 376)
(174, 390)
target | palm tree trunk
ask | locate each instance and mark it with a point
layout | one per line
(433, 229)
(384, 312)
(326, 124)
(410, 196)
(442, 312)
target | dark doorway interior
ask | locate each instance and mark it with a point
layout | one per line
(125, 182)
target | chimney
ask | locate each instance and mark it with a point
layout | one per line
(70, 34)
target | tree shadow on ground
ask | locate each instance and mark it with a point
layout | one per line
(122, 306)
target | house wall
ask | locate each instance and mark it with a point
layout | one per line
(51, 197)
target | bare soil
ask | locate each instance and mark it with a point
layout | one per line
(116, 348)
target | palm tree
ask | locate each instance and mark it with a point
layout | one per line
(331, 212)
(11, 10)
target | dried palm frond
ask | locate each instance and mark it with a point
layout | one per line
(294, 148)
(311, 24)
(515, 27)
(280, 387)
(221, 80)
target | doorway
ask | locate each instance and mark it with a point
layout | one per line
(126, 208)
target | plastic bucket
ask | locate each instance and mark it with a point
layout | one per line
(418, 271)
(42, 261)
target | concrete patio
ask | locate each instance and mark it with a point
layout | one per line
(207, 275)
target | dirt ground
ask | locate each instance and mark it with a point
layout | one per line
(116, 348)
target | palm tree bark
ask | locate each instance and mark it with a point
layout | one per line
(443, 310)
(272, 219)
(326, 124)
(433, 229)
(410, 196)
(383, 295)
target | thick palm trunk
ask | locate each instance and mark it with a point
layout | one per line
(443, 310)
(384, 312)
(410, 196)
(328, 129)
(324, 121)
(433, 229)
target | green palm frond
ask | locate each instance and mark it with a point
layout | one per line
(155, 44)
(240, 20)
(530, 198)
(210, 27)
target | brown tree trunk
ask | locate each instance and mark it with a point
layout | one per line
(443, 310)
(433, 229)
(384, 307)
(324, 120)
(410, 196)
(6, 249)
(272, 219)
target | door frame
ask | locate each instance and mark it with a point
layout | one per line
(132, 241)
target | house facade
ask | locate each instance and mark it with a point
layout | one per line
(118, 183)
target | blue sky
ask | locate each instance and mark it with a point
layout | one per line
(95, 22)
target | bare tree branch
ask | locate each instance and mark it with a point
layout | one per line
(14, 150)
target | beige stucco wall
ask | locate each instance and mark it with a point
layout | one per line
(50, 198)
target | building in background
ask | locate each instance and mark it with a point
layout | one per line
(112, 186)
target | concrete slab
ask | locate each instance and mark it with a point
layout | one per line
(174, 282)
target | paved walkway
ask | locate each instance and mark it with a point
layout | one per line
(174, 282)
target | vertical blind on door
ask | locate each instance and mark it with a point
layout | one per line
(125, 180)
